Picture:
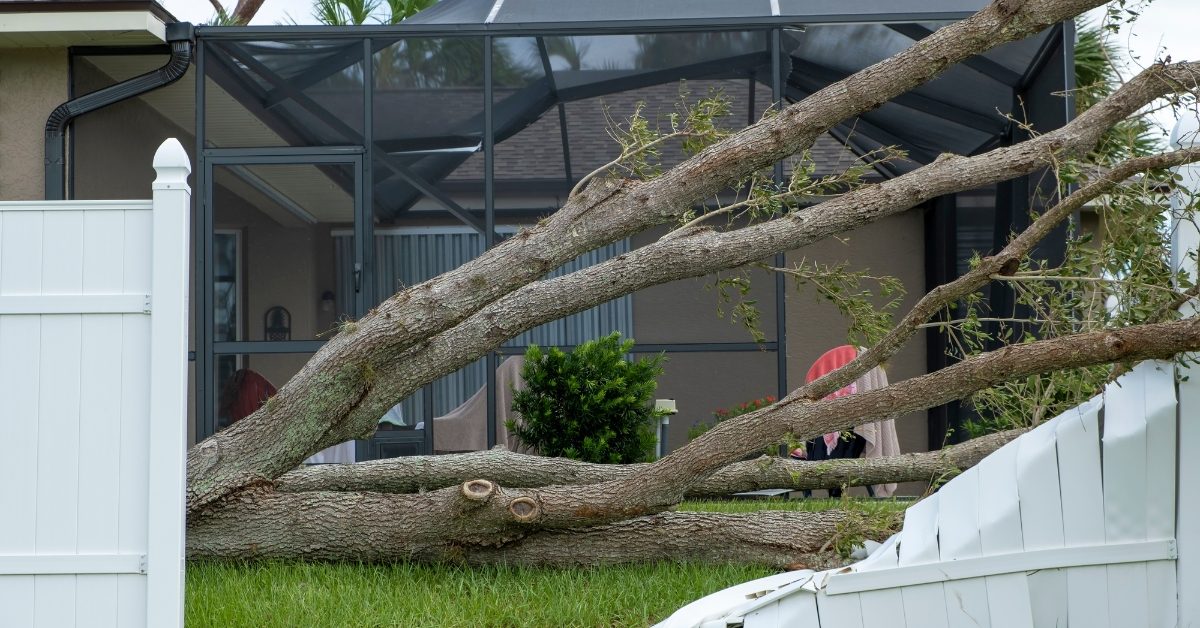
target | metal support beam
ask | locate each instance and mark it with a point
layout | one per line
(340, 126)
(670, 347)
(1045, 53)
(206, 419)
(940, 267)
(364, 221)
(321, 71)
(979, 63)
(562, 110)
(729, 67)
(781, 364)
(993, 123)
(489, 210)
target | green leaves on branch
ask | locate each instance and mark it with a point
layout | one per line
(591, 404)
(1118, 274)
(868, 310)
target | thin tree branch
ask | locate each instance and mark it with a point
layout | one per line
(246, 10)
(413, 474)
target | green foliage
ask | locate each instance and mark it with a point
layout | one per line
(359, 12)
(725, 414)
(1122, 278)
(1117, 276)
(591, 404)
(692, 127)
(869, 311)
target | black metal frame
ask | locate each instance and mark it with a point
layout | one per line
(211, 158)
(364, 156)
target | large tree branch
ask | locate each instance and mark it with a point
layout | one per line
(414, 474)
(346, 526)
(481, 513)
(313, 409)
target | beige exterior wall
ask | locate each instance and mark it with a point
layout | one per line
(688, 311)
(33, 81)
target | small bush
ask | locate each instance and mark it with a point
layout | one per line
(591, 404)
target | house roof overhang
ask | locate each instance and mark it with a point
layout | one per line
(62, 23)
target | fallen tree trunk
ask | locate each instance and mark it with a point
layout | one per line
(422, 473)
(315, 526)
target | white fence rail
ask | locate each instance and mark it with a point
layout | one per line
(93, 385)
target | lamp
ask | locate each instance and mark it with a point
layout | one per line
(327, 301)
(277, 324)
(665, 407)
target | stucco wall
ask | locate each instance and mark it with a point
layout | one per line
(33, 81)
(114, 146)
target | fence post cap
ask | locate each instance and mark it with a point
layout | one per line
(172, 164)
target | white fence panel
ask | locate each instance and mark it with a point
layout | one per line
(1000, 534)
(1125, 481)
(1185, 245)
(958, 529)
(924, 604)
(92, 398)
(1042, 522)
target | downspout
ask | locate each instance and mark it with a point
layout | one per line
(179, 36)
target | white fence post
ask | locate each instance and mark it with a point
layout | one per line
(168, 386)
(1185, 239)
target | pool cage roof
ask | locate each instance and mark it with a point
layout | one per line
(306, 82)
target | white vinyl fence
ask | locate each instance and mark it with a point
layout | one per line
(93, 386)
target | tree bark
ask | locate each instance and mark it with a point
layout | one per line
(514, 470)
(364, 527)
(324, 403)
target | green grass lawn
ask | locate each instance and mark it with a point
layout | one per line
(278, 594)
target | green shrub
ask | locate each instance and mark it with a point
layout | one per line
(591, 404)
